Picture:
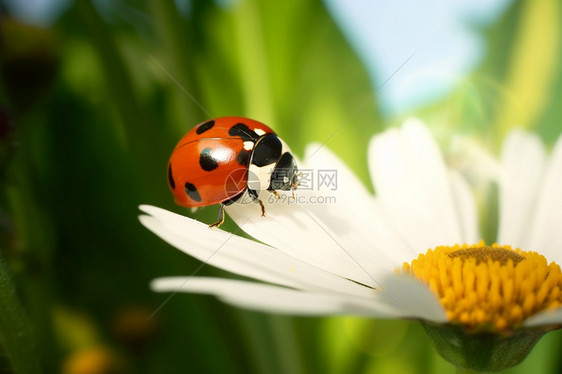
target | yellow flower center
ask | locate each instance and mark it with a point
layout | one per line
(490, 288)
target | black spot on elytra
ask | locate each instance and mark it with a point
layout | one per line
(244, 132)
(204, 127)
(171, 177)
(192, 192)
(267, 151)
(243, 157)
(207, 161)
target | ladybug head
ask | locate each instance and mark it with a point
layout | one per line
(284, 176)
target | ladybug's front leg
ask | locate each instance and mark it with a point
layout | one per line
(220, 217)
(262, 208)
(254, 196)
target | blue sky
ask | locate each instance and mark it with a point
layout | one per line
(443, 36)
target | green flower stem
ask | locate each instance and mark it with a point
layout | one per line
(15, 342)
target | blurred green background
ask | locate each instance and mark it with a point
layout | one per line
(93, 101)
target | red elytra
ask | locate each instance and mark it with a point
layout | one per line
(209, 165)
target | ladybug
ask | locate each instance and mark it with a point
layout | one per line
(227, 160)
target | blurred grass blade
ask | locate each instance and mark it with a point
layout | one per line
(119, 83)
(177, 36)
(287, 64)
(532, 65)
(15, 341)
(252, 57)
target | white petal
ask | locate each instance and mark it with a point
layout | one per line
(414, 298)
(410, 298)
(467, 156)
(466, 208)
(301, 234)
(546, 236)
(548, 317)
(240, 255)
(354, 215)
(523, 159)
(273, 299)
(413, 186)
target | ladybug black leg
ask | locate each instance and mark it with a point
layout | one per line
(254, 196)
(220, 217)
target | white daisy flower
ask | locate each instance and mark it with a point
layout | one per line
(411, 251)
